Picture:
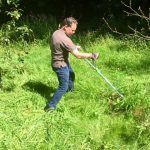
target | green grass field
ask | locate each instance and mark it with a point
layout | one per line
(92, 117)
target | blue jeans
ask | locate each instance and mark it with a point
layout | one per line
(66, 79)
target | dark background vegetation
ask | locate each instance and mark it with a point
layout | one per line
(87, 12)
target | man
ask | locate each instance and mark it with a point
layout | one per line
(61, 46)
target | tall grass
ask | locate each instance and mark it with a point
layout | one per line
(92, 117)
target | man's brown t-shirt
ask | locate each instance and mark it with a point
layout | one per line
(61, 45)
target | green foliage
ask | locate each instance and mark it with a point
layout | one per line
(28, 29)
(41, 26)
(93, 116)
(10, 31)
(15, 14)
(14, 2)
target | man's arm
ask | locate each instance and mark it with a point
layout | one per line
(80, 55)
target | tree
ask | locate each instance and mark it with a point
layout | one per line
(10, 30)
(141, 28)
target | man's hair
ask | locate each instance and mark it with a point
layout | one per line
(68, 21)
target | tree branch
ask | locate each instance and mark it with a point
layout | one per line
(140, 15)
(113, 30)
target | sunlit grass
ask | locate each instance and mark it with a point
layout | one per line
(92, 117)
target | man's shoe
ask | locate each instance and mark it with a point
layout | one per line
(49, 109)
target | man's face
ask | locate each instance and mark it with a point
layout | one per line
(70, 30)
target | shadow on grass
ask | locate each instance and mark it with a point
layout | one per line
(39, 87)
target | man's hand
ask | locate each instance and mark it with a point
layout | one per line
(78, 47)
(95, 56)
